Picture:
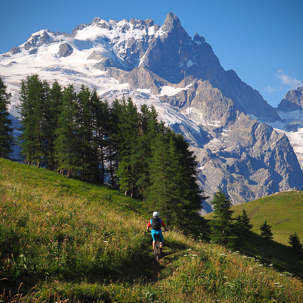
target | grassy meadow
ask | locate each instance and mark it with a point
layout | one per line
(62, 240)
(283, 212)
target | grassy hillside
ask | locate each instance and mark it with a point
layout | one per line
(284, 213)
(62, 240)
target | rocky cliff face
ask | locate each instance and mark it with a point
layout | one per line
(293, 100)
(182, 77)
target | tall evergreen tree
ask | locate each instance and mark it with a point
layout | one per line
(67, 146)
(33, 97)
(100, 126)
(51, 114)
(158, 193)
(147, 131)
(191, 195)
(222, 223)
(86, 134)
(173, 186)
(128, 134)
(6, 137)
(112, 153)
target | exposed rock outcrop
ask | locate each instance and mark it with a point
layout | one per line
(293, 100)
(65, 50)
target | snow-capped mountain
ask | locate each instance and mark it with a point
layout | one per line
(164, 67)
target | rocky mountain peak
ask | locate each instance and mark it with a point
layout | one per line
(171, 21)
(293, 100)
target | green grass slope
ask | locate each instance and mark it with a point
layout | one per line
(284, 213)
(62, 240)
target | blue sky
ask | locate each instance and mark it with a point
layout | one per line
(262, 40)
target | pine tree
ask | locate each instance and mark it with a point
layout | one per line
(266, 231)
(222, 223)
(33, 97)
(242, 227)
(147, 131)
(295, 243)
(67, 146)
(173, 188)
(86, 133)
(188, 187)
(100, 126)
(51, 114)
(159, 195)
(128, 133)
(112, 153)
(6, 137)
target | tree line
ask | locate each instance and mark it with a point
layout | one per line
(81, 136)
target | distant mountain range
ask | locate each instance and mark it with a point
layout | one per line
(229, 124)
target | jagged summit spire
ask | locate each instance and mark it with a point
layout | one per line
(171, 21)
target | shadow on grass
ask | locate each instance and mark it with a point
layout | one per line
(136, 267)
(283, 257)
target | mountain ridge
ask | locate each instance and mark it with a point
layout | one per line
(182, 77)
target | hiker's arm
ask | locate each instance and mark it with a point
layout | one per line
(148, 226)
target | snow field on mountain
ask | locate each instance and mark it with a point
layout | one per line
(171, 91)
(295, 137)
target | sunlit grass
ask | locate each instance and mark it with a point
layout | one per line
(282, 211)
(68, 240)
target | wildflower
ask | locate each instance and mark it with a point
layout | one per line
(270, 265)
(277, 283)
(260, 265)
(280, 286)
